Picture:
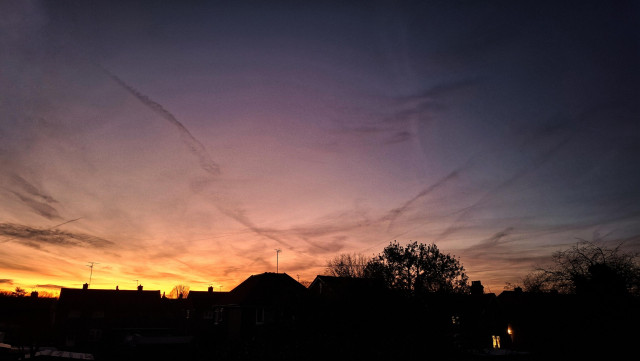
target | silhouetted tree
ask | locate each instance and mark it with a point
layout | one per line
(19, 292)
(348, 265)
(588, 267)
(418, 268)
(179, 291)
(46, 294)
(6, 293)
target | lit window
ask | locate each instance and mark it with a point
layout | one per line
(496, 341)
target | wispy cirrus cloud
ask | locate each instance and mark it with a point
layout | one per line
(50, 286)
(38, 207)
(30, 195)
(31, 189)
(196, 148)
(37, 237)
(399, 211)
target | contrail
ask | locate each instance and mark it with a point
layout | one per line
(46, 229)
(397, 212)
(73, 220)
(189, 140)
(537, 163)
(238, 217)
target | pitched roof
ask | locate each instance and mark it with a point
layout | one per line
(101, 296)
(207, 298)
(268, 288)
(346, 286)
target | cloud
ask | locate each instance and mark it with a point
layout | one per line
(35, 237)
(34, 198)
(196, 148)
(50, 286)
(397, 212)
(8, 264)
(399, 114)
(543, 157)
(442, 90)
(399, 137)
(6, 281)
(238, 215)
(40, 208)
(493, 241)
(31, 189)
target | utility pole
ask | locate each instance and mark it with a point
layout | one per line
(277, 253)
(90, 265)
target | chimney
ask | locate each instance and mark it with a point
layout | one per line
(34, 294)
(140, 288)
(210, 289)
(477, 288)
(85, 286)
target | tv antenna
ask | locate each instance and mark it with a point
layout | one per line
(90, 265)
(277, 253)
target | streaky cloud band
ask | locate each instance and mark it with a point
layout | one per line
(195, 147)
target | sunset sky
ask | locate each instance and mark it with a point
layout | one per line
(184, 142)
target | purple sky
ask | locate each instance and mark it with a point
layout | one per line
(184, 142)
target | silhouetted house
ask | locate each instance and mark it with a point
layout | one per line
(474, 320)
(26, 321)
(356, 301)
(119, 321)
(208, 321)
(476, 288)
(206, 304)
(262, 301)
(543, 322)
(258, 319)
(347, 289)
(358, 318)
(348, 300)
(250, 321)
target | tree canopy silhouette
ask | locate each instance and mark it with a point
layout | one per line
(179, 291)
(348, 265)
(418, 268)
(588, 268)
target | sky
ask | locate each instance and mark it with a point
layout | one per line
(186, 142)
